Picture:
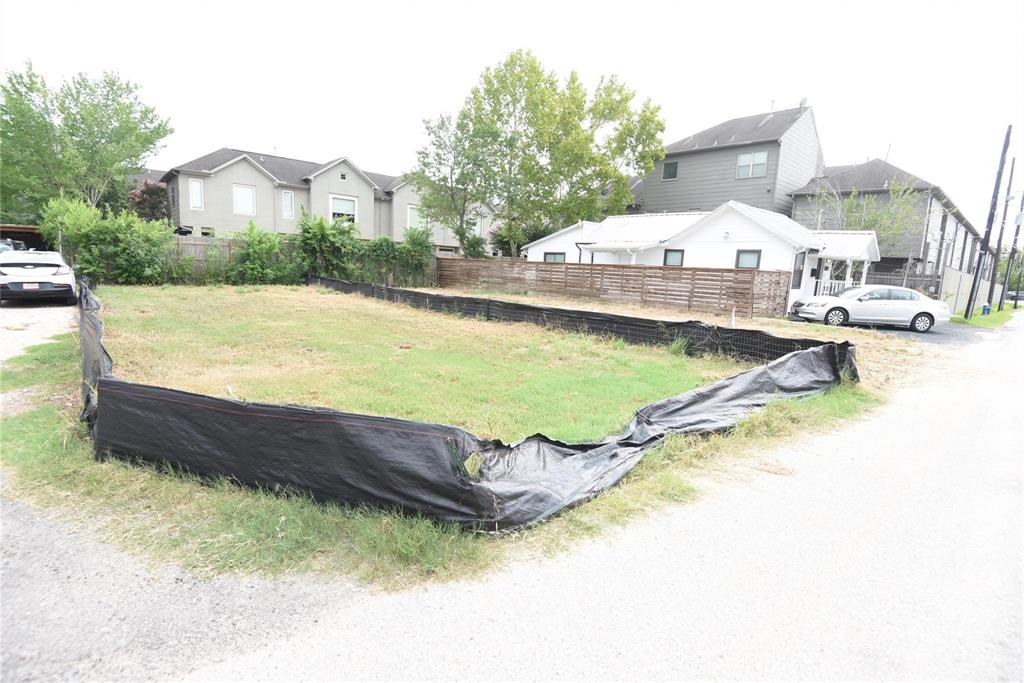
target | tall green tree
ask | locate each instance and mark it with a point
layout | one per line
(450, 177)
(542, 153)
(79, 140)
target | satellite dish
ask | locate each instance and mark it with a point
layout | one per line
(803, 102)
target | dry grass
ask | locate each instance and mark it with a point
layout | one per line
(885, 360)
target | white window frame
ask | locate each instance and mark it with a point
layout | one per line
(408, 216)
(286, 210)
(234, 204)
(355, 206)
(192, 184)
(750, 162)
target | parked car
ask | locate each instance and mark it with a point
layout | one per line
(874, 304)
(36, 275)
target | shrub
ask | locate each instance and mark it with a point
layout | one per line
(121, 248)
(475, 246)
(414, 256)
(332, 249)
(254, 262)
(380, 259)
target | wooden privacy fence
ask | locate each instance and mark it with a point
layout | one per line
(714, 290)
(202, 249)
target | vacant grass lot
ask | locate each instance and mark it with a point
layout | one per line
(314, 346)
(216, 527)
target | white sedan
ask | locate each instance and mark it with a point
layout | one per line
(876, 305)
(36, 275)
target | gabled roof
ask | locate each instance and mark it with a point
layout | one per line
(766, 127)
(281, 169)
(871, 176)
(646, 230)
(144, 175)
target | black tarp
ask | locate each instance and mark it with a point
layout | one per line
(412, 466)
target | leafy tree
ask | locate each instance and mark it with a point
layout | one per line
(150, 201)
(449, 177)
(542, 154)
(77, 140)
(892, 215)
(115, 198)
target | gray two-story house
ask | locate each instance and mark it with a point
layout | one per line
(757, 160)
(940, 235)
(219, 193)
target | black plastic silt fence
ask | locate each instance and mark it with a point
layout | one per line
(420, 467)
(700, 338)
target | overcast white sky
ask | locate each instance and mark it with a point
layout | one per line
(938, 81)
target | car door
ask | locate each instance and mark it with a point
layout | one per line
(904, 305)
(871, 307)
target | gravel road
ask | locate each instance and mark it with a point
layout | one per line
(25, 323)
(888, 549)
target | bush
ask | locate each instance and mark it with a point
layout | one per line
(414, 257)
(380, 260)
(332, 249)
(475, 246)
(122, 248)
(254, 263)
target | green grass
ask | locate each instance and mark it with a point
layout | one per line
(992, 320)
(287, 345)
(218, 527)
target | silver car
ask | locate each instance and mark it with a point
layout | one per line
(37, 275)
(875, 305)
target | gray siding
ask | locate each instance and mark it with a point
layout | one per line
(329, 182)
(707, 179)
(800, 160)
(910, 240)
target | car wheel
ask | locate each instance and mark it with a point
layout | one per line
(70, 300)
(836, 317)
(922, 322)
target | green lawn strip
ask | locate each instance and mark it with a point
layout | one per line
(286, 345)
(215, 527)
(992, 320)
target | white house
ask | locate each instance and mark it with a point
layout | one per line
(734, 235)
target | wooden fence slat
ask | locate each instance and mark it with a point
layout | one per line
(717, 290)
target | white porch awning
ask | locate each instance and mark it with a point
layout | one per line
(848, 245)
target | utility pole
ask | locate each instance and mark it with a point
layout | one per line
(1013, 253)
(1020, 271)
(1002, 226)
(983, 249)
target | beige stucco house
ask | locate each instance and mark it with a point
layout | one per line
(219, 193)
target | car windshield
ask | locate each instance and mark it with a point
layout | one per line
(851, 292)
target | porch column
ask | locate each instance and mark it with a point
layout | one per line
(849, 272)
(864, 273)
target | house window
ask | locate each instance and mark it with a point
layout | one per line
(288, 204)
(748, 258)
(343, 175)
(415, 219)
(670, 170)
(207, 232)
(798, 270)
(752, 165)
(195, 194)
(554, 257)
(343, 208)
(244, 199)
(673, 257)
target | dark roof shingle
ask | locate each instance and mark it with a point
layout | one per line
(741, 131)
(871, 176)
(285, 169)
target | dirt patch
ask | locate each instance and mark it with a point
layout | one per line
(17, 401)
